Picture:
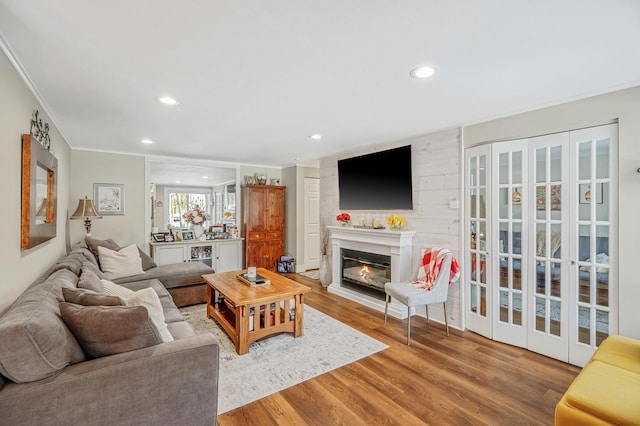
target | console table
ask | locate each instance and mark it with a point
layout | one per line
(221, 255)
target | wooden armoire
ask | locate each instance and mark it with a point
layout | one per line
(263, 225)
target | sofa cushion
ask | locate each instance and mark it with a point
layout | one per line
(173, 275)
(72, 262)
(121, 263)
(621, 351)
(84, 297)
(88, 266)
(107, 330)
(35, 343)
(84, 251)
(606, 392)
(89, 280)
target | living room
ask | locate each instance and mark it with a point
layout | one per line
(438, 182)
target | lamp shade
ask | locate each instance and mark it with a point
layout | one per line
(85, 209)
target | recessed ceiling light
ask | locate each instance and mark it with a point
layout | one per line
(168, 100)
(316, 136)
(147, 141)
(423, 71)
(205, 177)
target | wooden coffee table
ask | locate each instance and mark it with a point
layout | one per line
(250, 313)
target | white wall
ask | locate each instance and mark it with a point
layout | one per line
(89, 167)
(436, 168)
(623, 105)
(20, 268)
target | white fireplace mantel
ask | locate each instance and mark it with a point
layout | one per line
(396, 244)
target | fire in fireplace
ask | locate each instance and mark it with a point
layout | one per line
(367, 270)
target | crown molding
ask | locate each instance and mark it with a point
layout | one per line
(30, 85)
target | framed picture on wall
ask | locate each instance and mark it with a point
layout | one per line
(109, 198)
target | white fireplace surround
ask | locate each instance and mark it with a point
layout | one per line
(398, 245)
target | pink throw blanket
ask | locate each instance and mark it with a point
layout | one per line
(431, 263)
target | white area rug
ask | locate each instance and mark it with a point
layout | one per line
(281, 361)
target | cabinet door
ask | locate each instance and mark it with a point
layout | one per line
(202, 253)
(256, 252)
(275, 249)
(165, 255)
(275, 209)
(228, 256)
(255, 209)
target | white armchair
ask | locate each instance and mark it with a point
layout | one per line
(412, 296)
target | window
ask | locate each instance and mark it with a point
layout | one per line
(182, 200)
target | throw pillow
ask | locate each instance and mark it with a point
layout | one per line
(148, 298)
(122, 263)
(108, 330)
(93, 245)
(113, 289)
(89, 280)
(85, 297)
(147, 261)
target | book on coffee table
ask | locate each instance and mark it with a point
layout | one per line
(257, 280)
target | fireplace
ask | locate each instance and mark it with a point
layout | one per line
(365, 271)
(387, 257)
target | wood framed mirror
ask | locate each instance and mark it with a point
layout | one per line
(39, 190)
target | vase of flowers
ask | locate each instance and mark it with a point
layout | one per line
(344, 219)
(395, 221)
(196, 219)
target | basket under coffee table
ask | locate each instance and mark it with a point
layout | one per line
(250, 313)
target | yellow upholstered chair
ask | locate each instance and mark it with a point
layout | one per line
(412, 296)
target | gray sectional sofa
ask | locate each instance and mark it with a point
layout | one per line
(46, 377)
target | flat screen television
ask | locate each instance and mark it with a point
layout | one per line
(378, 181)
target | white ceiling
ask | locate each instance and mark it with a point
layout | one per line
(256, 78)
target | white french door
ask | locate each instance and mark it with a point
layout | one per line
(544, 279)
(510, 208)
(549, 232)
(477, 227)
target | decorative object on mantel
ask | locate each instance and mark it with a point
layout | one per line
(344, 219)
(275, 181)
(39, 188)
(109, 198)
(261, 179)
(248, 180)
(196, 218)
(86, 210)
(395, 221)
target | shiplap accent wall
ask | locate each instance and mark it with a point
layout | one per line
(436, 168)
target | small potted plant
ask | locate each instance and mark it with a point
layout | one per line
(344, 219)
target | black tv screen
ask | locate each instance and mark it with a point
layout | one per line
(378, 181)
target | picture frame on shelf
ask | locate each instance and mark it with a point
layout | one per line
(158, 237)
(109, 198)
(188, 236)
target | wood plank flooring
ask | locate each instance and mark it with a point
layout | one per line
(438, 380)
